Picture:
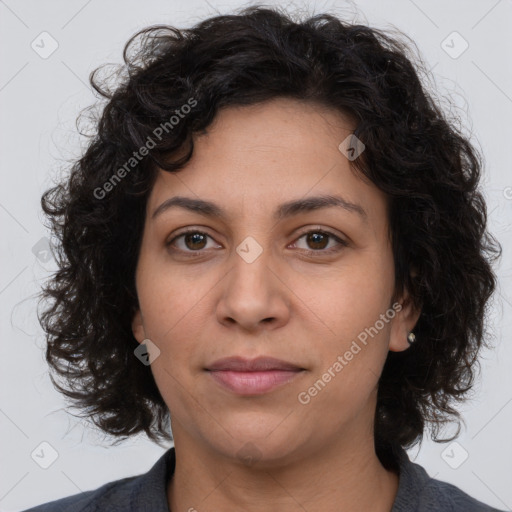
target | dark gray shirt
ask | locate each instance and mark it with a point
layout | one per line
(417, 492)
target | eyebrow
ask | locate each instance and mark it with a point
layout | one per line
(285, 210)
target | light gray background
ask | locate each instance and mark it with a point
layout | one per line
(39, 102)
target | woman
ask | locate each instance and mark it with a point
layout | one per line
(276, 241)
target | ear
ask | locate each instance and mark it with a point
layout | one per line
(138, 327)
(402, 324)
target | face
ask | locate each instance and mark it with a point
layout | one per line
(256, 278)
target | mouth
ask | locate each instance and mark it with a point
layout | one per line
(253, 376)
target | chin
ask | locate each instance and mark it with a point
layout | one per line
(262, 445)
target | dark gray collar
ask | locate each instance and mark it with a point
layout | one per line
(417, 491)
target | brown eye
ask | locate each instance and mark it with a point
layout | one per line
(195, 240)
(317, 242)
(190, 242)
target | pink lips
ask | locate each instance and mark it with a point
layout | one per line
(252, 377)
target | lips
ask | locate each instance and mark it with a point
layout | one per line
(260, 364)
(252, 376)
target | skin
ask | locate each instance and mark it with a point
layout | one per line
(305, 309)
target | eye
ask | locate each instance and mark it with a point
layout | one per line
(193, 241)
(319, 239)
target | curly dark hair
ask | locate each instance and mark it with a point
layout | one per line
(414, 154)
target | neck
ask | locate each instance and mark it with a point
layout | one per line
(346, 475)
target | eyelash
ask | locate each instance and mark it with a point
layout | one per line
(308, 252)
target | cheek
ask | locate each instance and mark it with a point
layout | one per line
(172, 298)
(354, 342)
(176, 321)
(350, 299)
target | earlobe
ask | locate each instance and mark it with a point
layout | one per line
(138, 327)
(403, 324)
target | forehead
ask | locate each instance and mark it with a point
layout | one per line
(254, 157)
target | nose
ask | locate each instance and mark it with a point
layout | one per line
(254, 296)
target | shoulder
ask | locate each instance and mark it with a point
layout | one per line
(136, 493)
(419, 492)
(111, 496)
(439, 495)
